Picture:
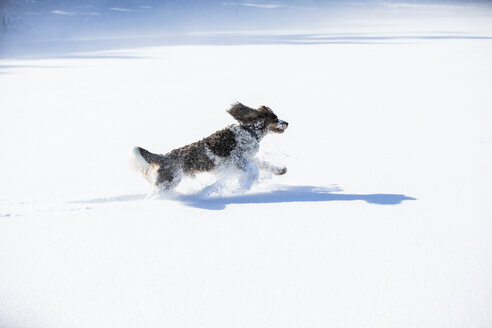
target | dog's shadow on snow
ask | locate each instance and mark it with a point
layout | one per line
(287, 194)
(290, 194)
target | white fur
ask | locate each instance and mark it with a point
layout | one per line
(247, 146)
(214, 158)
(138, 163)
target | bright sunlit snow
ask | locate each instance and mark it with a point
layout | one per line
(384, 218)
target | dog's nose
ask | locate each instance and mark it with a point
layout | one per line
(284, 123)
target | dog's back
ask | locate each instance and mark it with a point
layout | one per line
(200, 156)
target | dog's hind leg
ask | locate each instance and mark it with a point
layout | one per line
(155, 191)
(168, 178)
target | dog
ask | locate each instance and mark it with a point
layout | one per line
(232, 147)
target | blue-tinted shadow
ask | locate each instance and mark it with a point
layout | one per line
(291, 194)
(93, 48)
(105, 200)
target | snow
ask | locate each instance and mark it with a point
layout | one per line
(383, 218)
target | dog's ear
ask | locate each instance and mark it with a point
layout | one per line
(243, 114)
(265, 110)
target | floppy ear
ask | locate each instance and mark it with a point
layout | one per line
(243, 114)
(265, 110)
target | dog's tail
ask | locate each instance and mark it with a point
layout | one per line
(146, 163)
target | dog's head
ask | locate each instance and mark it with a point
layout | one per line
(262, 118)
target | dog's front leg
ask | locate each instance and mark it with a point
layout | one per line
(250, 173)
(271, 168)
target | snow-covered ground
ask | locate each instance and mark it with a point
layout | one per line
(384, 218)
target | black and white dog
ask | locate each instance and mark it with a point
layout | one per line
(235, 146)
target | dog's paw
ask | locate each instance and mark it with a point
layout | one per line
(281, 171)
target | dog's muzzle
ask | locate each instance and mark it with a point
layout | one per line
(281, 126)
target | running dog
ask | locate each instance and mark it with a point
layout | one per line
(235, 146)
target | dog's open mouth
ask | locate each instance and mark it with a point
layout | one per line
(278, 127)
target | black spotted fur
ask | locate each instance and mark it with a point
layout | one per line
(229, 145)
